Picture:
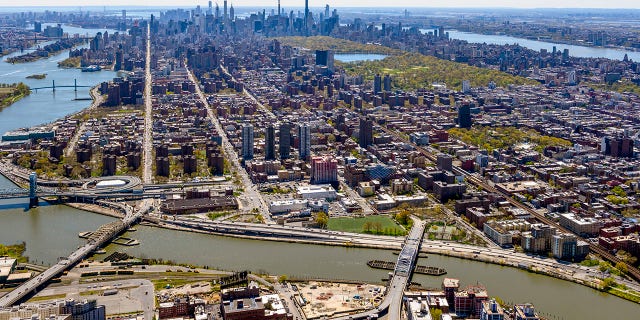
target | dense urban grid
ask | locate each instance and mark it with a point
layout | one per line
(261, 124)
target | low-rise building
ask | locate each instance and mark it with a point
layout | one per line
(538, 240)
(567, 247)
(7, 265)
(190, 206)
(268, 307)
(323, 191)
(501, 232)
(584, 226)
(366, 189)
(525, 312)
(69, 309)
(491, 310)
(417, 309)
(285, 206)
(400, 186)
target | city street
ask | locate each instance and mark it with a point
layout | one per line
(147, 164)
(250, 198)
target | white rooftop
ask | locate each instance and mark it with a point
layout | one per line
(110, 183)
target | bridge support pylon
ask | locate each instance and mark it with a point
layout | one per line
(33, 189)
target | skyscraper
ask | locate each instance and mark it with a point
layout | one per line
(285, 141)
(306, 17)
(387, 82)
(464, 116)
(377, 84)
(270, 143)
(247, 141)
(365, 136)
(226, 16)
(325, 58)
(466, 86)
(304, 135)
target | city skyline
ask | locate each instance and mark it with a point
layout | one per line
(626, 4)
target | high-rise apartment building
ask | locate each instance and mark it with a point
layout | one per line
(247, 141)
(464, 116)
(285, 141)
(324, 169)
(304, 137)
(270, 143)
(365, 136)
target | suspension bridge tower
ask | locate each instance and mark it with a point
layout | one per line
(33, 190)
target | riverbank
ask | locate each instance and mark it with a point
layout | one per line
(543, 267)
(47, 51)
(547, 267)
(10, 94)
(94, 208)
(14, 251)
(524, 36)
(72, 62)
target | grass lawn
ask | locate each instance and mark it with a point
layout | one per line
(379, 224)
(46, 298)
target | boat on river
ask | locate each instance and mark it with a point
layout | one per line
(91, 68)
(388, 265)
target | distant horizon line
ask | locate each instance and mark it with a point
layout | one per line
(358, 7)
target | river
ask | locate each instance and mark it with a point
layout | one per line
(356, 57)
(575, 51)
(52, 231)
(45, 106)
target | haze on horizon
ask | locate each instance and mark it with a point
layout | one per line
(633, 4)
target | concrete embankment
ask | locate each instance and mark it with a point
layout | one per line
(96, 209)
(506, 260)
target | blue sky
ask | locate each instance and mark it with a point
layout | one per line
(347, 3)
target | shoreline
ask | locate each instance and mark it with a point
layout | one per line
(28, 58)
(14, 99)
(503, 261)
(18, 93)
(576, 43)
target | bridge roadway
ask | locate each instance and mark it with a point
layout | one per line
(26, 288)
(405, 265)
(57, 87)
(392, 303)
